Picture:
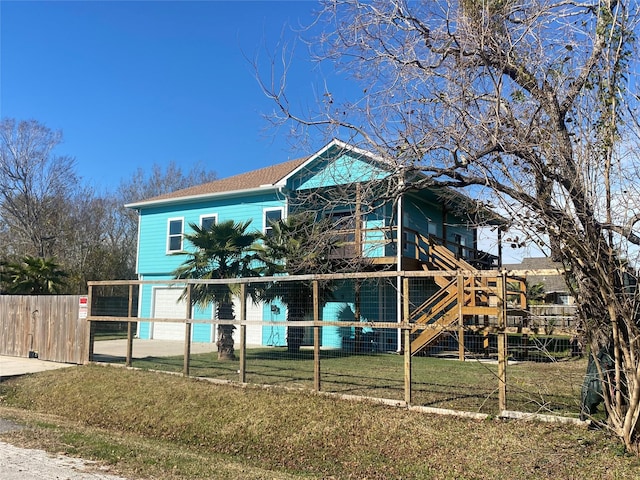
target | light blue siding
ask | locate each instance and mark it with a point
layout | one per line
(343, 170)
(152, 249)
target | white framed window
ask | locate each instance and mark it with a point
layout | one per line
(174, 234)
(206, 221)
(271, 215)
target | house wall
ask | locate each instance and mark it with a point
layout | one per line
(422, 212)
(152, 246)
(458, 227)
(422, 217)
(377, 304)
(426, 218)
(154, 263)
(343, 170)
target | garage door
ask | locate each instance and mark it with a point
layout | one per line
(167, 304)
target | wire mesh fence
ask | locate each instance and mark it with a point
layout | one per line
(458, 341)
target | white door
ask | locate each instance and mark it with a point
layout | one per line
(167, 304)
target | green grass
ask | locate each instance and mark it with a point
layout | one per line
(151, 425)
(533, 387)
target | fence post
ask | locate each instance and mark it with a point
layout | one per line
(461, 301)
(502, 342)
(129, 328)
(406, 342)
(243, 333)
(91, 330)
(187, 333)
(316, 337)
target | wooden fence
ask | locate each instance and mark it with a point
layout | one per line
(48, 327)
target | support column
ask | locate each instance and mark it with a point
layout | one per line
(460, 281)
(243, 334)
(502, 342)
(187, 333)
(406, 342)
(316, 337)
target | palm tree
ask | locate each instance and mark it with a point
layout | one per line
(33, 276)
(223, 251)
(298, 245)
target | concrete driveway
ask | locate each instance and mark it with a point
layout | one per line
(12, 366)
(116, 350)
(28, 464)
(104, 351)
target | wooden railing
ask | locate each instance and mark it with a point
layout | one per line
(365, 242)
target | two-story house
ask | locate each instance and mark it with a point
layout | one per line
(375, 206)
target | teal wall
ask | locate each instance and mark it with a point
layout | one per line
(152, 246)
(343, 170)
(274, 335)
(426, 217)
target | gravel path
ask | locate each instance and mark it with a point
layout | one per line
(28, 464)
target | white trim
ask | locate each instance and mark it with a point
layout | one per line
(168, 236)
(399, 236)
(208, 215)
(264, 216)
(201, 196)
(138, 245)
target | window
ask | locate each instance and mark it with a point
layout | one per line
(207, 221)
(344, 226)
(459, 244)
(271, 216)
(174, 240)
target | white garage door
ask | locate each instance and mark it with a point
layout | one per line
(167, 304)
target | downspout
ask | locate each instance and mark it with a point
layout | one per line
(286, 200)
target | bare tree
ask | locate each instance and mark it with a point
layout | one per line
(528, 105)
(35, 185)
(146, 184)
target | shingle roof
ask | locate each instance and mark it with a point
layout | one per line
(244, 181)
(552, 283)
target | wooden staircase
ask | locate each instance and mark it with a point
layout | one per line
(458, 297)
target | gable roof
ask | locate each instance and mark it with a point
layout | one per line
(276, 176)
(266, 177)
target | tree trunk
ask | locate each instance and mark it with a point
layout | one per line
(295, 335)
(225, 333)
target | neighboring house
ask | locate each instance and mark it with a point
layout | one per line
(354, 188)
(555, 287)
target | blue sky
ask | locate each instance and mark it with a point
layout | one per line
(131, 84)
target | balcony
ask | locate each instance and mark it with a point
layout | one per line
(379, 246)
